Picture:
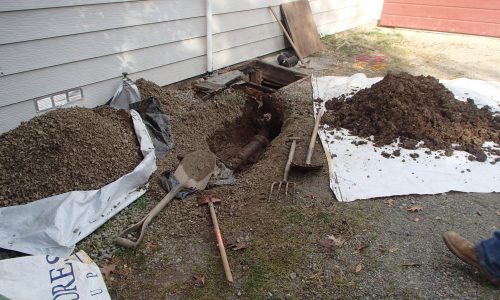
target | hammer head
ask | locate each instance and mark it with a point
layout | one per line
(293, 138)
(205, 199)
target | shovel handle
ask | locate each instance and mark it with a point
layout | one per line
(140, 227)
(220, 244)
(313, 137)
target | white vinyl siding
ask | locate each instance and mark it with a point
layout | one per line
(51, 46)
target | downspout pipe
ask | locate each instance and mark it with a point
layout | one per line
(209, 37)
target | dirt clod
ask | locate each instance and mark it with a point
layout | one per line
(415, 108)
(65, 150)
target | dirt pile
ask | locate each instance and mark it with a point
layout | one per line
(65, 150)
(415, 108)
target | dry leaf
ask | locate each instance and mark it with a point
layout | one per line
(237, 246)
(199, 280)
(390, 202)
(359, 267)
(392, 250)
(417, 219)
(360, 248)
(338, 242)
(498, 212)
(415, 208)
(107, 270)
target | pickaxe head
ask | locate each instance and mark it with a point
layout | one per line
(205, 199)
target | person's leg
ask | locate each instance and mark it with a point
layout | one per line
(488, 252)
(465, 250)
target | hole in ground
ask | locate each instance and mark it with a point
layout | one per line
(241, 143)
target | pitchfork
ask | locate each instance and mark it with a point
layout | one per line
(285, 181)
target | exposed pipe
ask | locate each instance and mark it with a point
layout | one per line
(209, 36)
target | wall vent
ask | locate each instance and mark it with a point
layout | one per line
(58, 99)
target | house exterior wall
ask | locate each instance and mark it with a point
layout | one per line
(457, 16)
(52, 46)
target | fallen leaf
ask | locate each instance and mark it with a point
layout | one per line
(338, 242)
(237, 246)
(415, 208)
(360, 248)
(359, 267)
(412, 264)
(390, 202)
(107, 270)
(199, 280)
(151, 245)
(498, 212)
(417, 219)
(392, 250)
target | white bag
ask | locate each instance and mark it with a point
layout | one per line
(51, 277)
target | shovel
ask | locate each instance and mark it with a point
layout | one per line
(308, 166)
(193, 172)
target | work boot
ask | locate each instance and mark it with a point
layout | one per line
(464, 250)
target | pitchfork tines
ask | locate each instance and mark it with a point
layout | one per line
(285, 181)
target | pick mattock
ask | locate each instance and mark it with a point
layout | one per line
(210, 200)
(285, 174)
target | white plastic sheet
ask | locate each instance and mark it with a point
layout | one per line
(55, 224)
(361, 172)
(49, 277)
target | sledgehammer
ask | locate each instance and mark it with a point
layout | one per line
(210, 200)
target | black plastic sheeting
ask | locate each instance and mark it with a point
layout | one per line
(157, 124)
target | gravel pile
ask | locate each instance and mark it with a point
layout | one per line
(415, 108)
(64, 150)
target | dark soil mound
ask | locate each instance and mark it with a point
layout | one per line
(65, 150)
(415, 108)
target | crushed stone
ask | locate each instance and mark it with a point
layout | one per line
(65, 150)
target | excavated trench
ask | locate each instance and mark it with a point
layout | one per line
(241, 143)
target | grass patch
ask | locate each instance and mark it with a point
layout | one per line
(142, 202)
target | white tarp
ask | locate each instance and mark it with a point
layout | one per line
(361, 172)
(50, 277)
(55, 224)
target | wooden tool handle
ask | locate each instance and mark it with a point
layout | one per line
(288, 37)
(220, 244)
(313, 138)
(291, 154)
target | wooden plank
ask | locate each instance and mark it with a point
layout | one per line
(454, 26)
(27, 85)
(11, 5)
(442, 12)
(300, 22)
(484, 4)
(18, 26)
